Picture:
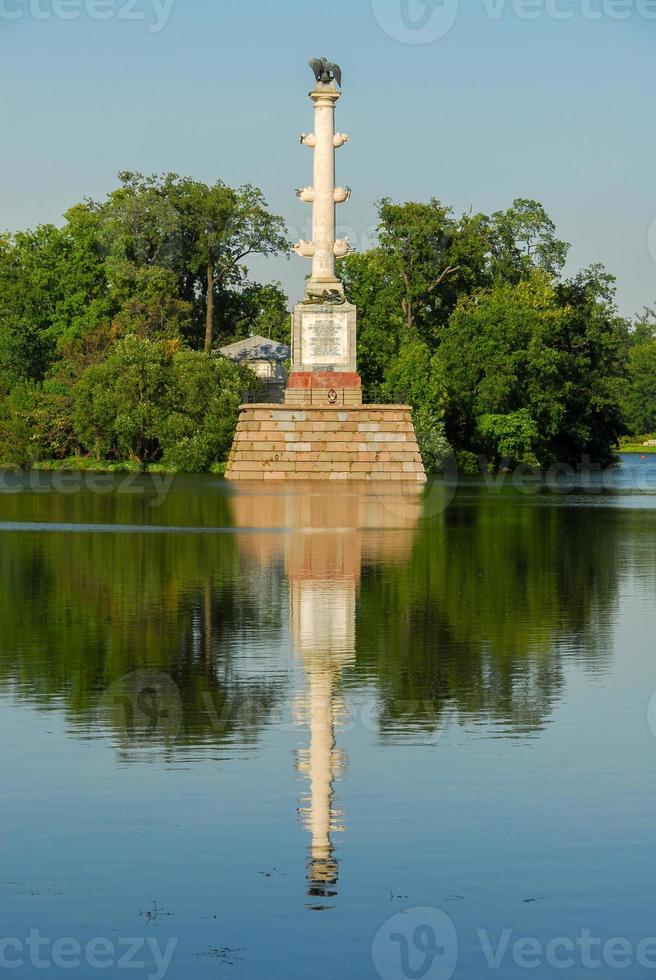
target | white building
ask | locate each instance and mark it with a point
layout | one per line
(267, 359)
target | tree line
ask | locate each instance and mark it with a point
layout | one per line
(555, 573)
(107, 324)
(109, 327)
(471, 320)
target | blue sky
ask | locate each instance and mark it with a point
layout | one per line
(490, 100)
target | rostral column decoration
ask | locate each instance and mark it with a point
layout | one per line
(324, 329)
(323, 195)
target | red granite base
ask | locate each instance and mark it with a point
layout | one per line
(324, 380)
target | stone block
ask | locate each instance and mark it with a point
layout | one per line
(325, 443)
(388, 437)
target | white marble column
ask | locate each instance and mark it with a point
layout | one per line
(323, 195)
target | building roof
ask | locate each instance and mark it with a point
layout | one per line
(256, 349)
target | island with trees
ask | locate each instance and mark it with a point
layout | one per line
(110, 327)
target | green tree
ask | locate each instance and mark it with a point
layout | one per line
(413, 377)
(370, 284)
(640, 393)
(644, 328)
(154, 399)
(52, 286)
(121, 403)
(204, 395)
(523, 238)
(18, 446)
(511, 438)
(203, 233)
(254, 309)
(147, 301)
(433, 257)
(595, 342)
(535, 367)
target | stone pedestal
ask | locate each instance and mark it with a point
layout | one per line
(369, 442)
(324, 350)
(324, 337)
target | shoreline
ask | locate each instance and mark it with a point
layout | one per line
(218, 469)
(104, 466)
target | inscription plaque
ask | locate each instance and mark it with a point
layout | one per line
(325, 339)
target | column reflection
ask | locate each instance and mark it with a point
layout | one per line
(331, 535)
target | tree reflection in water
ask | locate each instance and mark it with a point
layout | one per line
(464, 614)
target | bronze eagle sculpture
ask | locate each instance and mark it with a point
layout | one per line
(325, 72)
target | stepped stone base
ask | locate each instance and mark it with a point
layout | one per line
(366, 442)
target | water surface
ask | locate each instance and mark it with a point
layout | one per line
(265, 722)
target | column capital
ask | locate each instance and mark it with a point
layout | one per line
(325, 95)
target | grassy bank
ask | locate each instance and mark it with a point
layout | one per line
(638, 449)
(82, 464)
(636, 445)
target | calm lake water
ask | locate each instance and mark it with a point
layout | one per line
(272, 724)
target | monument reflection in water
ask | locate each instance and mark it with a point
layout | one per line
(331, 537)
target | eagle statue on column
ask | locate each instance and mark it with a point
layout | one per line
(325, 72)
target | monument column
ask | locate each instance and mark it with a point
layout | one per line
(324, 330)
(324, 432)
(324, 196)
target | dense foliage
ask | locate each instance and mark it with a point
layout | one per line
(429, 634)
(640, 399)
(109, 327)
(473, 323)
(107, 324)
